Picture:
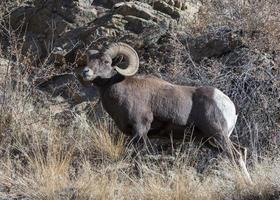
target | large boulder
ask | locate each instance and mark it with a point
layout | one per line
(133, 22)
(53, 16)
(73, 24)
(42, 22)
(213, 43)
(181, 10)
(67, 97)
(66, 88)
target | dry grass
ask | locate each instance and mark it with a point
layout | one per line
(40, 158)
(259, 20)
(106, 144)
(43, 161)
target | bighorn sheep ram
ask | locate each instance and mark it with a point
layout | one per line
(139, 104)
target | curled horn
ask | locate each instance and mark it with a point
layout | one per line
(129, 53)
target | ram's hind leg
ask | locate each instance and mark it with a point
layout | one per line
(242, 150)
(234, 155)
(242, 161)
(223, 143)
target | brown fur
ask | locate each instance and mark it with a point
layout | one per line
(140, 104)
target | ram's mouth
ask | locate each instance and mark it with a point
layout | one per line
(87, 74)
(88, 77)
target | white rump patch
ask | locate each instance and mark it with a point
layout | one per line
(227, 107)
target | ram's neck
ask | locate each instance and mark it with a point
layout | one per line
(104, 84)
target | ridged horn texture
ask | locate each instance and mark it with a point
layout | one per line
(129, 53)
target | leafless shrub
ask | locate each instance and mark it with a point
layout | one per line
(40, 159)
(258, 20)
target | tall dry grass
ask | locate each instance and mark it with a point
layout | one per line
(42, 160)
(257, 19)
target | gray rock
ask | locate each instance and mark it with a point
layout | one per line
(136, 9)
(45, 21)
(107, 3)
(213, 43)
(133, 22)
(67, 88)
(74, 24)
(168, 9)
(184, 11)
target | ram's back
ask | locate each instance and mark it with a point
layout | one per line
(168, 102)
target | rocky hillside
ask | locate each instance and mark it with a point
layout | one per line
(173, 41)
(232, 45)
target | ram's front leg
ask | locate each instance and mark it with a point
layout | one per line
(140, 139)
(140, 129)
(140, 136)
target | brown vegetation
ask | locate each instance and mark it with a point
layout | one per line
(68, 156)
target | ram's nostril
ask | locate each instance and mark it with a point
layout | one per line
(86, 70)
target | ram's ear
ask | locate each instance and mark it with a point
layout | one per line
(91, 54)
(82, 57)
(117, 61)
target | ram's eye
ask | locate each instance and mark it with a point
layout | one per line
(106, 62)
